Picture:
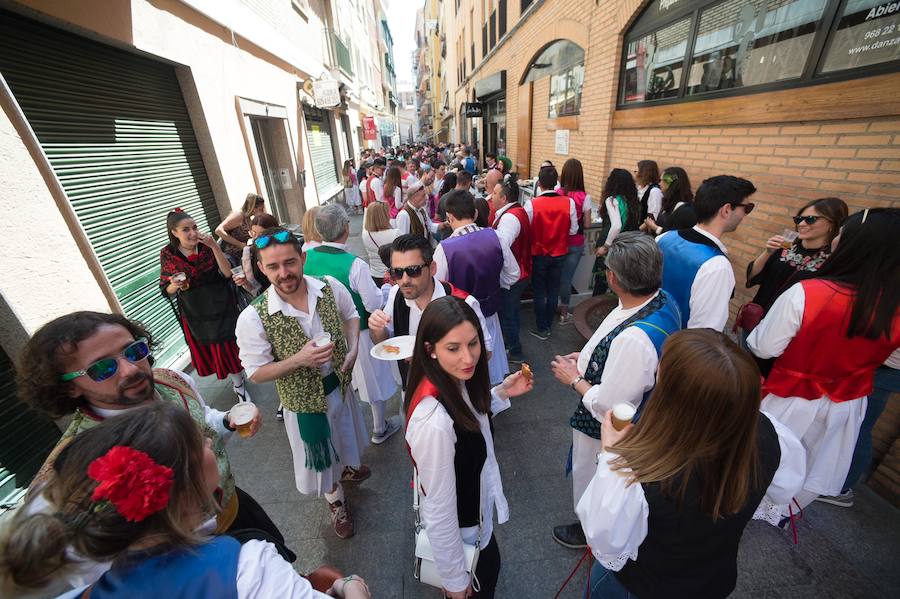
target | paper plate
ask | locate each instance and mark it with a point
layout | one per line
(404, 342)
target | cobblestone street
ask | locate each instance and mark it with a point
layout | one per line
(842, 553)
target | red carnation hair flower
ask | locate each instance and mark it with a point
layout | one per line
(132, 481)
(177, 210)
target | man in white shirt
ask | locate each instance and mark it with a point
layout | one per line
(375, 182)
(282, 338)
(618, 363)
(696, 268)
(413, 218)
(413, 270)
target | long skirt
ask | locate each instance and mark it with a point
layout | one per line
(220, 359)
(352, 197)
(372, 378)
(498, 364)
(348, 437)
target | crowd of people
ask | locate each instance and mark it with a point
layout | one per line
(681, 433)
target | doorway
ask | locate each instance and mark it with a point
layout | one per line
(265, 150)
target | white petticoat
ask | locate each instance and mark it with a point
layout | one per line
(372, 378)
(498, 366)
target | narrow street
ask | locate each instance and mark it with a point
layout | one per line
(842, 553)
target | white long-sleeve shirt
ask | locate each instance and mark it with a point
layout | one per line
(573, 211)
(508, 275)
(361, 280)
(508, 226)
(712, 288)
(402, 221)
(432, 442)
(615, 515)
(630, 368)
(654, 201)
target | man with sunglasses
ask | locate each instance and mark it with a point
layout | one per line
(696, 269)
(93, 366)
(303, 333)
(413, 270)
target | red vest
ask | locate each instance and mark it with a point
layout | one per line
(370, 195)
(521, 247)
(821, 360)
(550, 226)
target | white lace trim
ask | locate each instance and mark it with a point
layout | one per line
(616, 562)
(769, 512)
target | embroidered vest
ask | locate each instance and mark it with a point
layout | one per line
(302, 391)
(659, 319)
(550, 226)
(821, 360)
(207, 571)
(521, 247)
(326, 260)
(682, 260)
(474, 263)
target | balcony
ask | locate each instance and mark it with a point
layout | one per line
(342, 58)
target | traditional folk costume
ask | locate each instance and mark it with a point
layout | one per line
(620, 362)
(476, 261)
(514, 230)
(697, 273)
(459, 479)
(372, 378)
(416, 221)
(325, 427)
(820, 379)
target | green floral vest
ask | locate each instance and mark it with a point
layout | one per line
(302, 391)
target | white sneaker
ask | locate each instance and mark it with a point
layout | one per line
(391, 426)
(566, 318)
(242, 393)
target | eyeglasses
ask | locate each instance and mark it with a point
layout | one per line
(265, 240)
(748, 207)
(411, 271)
(809, 220)
(105, 368)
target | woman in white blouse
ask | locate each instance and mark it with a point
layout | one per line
(377, 232)
(451, 444)
(667, 506)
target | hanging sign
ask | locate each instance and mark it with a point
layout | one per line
(562, 141)
(370, 130)
(474, 109)
(326, 93)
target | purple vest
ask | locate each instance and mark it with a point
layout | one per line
(474, 264)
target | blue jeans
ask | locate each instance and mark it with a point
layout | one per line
(887, 381)
(545, 277)
(573, 257)
(510, 306)
(605, 585)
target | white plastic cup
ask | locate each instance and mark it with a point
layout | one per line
(790, 236)
(178, 278)
(322, 339)
(241, 416)
(238, 271)
(622, 413)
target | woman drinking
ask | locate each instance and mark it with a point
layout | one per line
(235, 229)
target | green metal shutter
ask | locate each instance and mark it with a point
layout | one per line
(318, 131)
(21, 455)
(116, 130)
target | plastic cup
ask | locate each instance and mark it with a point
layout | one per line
(622, 413)
(242, 416)
(238, 271)
(790, 236)
(178, 278)
(322, 339)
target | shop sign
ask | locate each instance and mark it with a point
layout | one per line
(562, 142)
(326, 93)
(474, 109)
(370, 130)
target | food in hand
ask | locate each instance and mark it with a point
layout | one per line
(392, 349)
(526, 371)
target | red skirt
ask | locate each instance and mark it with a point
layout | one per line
(220, 359)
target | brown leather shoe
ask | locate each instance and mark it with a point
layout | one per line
(355, 475)
(341, 520)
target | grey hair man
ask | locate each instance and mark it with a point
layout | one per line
(372, 378)
(618, 364)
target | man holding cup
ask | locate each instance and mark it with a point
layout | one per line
(280, 339)
(618, 364)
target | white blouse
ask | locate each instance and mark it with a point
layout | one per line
(614, 514)
(432, 441)
(372, 240)
(654, 201)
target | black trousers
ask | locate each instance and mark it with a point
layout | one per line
(488, 570)
(253, 523)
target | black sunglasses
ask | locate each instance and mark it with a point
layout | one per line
(748, 207)
(411, 271)
(809, 220)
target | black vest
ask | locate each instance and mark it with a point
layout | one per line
(468, 461)
(645, 199)
(401, 326)
(686, 554)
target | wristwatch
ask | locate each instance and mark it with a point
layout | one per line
(577, 380)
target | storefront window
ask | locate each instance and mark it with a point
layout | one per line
(565, 92)
(653, 63)
(750, 42)
(867, 33)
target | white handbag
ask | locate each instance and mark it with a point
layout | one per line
(425, 569)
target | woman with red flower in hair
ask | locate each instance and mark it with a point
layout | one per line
(194, 269)
(137, 491)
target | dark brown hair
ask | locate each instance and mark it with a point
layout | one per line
(700, 424)
(35, 548)
(439, 318)
(264, 220)
(648, 172)
(392, 181)
(572, 176)
(40, 364)
(834, 209)
(679, 190)
(172, 220)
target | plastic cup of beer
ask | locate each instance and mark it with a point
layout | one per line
(622, 413)
(242, 416)
(178, 278)
(790, 236)
(322, 339)
(238, 271)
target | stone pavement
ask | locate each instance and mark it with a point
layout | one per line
(842, 553)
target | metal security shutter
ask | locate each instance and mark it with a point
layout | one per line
(118, 135)
(318, 131)
(21, 455)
